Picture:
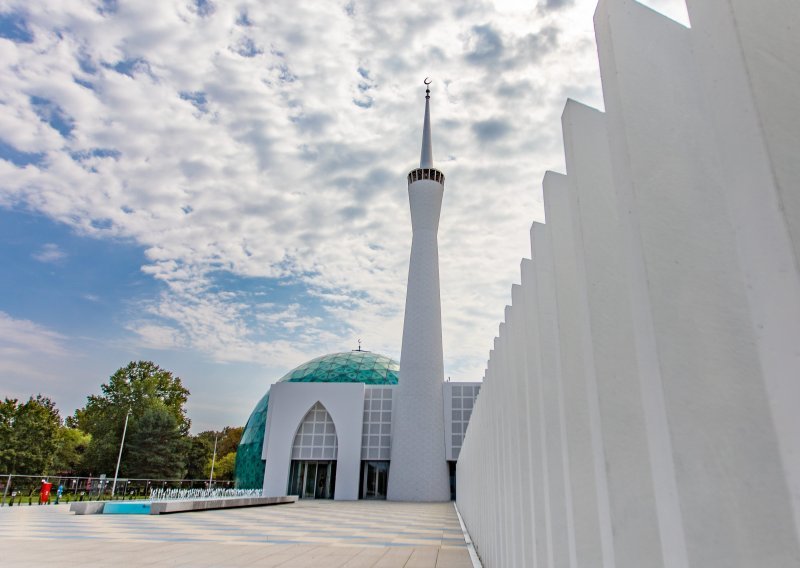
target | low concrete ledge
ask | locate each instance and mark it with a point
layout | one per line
(87, 507)
(168, 507)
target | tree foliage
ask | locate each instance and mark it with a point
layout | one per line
(34, 441)
(224, 467)
(227, 441)
(156, 447)
(200, 452)
(140, 386)
(28, 435)
(71, 445)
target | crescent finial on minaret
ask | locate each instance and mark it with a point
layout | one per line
(426, 159)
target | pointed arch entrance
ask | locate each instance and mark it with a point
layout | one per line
(312, 473)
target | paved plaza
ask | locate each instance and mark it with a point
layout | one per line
(308, 533)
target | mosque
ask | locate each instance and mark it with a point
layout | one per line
(359, 425)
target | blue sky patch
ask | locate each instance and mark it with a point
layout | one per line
(14, 27)
(53, 115)
(131, 66)
(197, 98)
(74, 284)
(18, 158)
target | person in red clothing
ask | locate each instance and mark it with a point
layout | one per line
(44, 494)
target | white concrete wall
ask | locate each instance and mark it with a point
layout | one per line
(289, 403)
(651, 354)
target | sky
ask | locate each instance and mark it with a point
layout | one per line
(220, 186)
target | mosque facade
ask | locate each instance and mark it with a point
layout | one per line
(359, 425)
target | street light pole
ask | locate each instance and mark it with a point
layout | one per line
(119, 457)
(213, 460)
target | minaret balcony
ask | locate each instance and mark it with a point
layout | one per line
(425, 173)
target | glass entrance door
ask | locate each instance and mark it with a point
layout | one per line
(310, 476)
(312, 479)
(375, 479)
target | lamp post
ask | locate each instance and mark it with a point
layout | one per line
(213, 461)
(119, 457)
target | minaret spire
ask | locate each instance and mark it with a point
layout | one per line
(419, 470)
(426, 157)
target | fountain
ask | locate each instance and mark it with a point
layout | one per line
(163, 500)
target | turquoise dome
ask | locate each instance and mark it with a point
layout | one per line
(349, 367)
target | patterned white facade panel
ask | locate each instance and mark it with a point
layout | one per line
(376, 440)
(316, 437)
(459, 400)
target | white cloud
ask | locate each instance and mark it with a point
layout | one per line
(29, 337)
(272, 140)
(25, 346)
(50, 253)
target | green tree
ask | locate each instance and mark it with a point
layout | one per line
(71, 445)
(156, 447)
(223, 468)
(8, 450)
(227, 443)
(28, 435)
(139, 386)
(200, 451)
(227, 439)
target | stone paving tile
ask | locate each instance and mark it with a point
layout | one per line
(394, 558)
(453, 558)
(309, 533)
(423, 557)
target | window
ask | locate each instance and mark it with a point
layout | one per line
(316, 436)
(376, 442)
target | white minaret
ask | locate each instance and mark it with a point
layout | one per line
(418, 471)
